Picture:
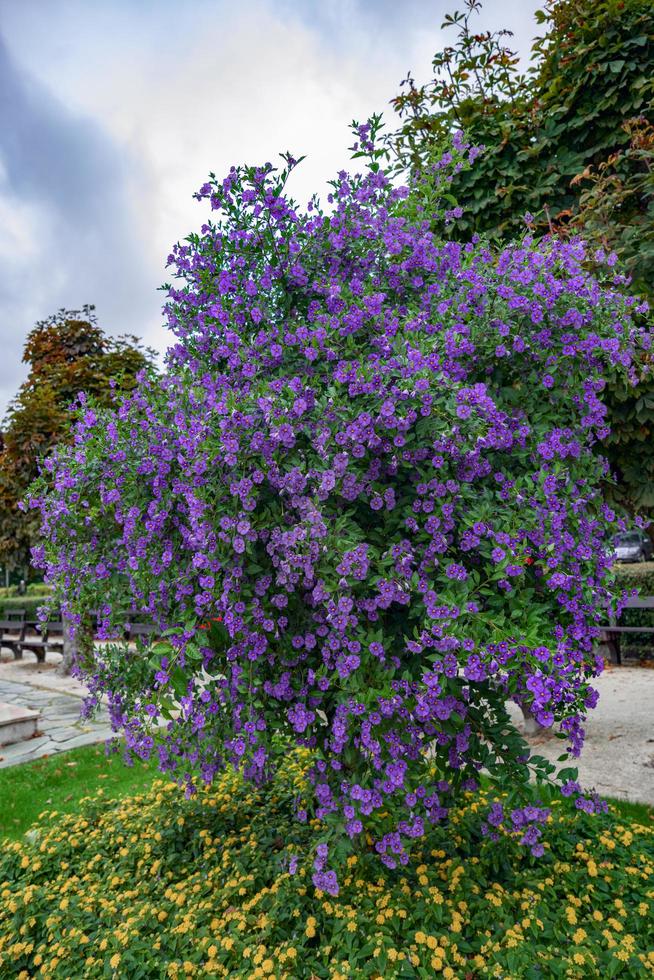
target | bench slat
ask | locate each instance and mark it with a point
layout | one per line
(628, 629)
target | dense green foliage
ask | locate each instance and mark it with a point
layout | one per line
(159, 886)
(30, 603)
(67, 354)
(616, 203)
(592, 73)
(570, 145)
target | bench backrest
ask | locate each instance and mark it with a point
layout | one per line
(35, 626)
(140, 629)
(641, 602)
(15, 614)
(11, 626)
(55, 626)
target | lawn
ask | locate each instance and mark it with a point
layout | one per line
(59, 782)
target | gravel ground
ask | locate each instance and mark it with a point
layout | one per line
(618, 756)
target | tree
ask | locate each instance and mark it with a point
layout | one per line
(70, 359)
(568, 148)
(591, 75)
(67, 354)
(362, 506)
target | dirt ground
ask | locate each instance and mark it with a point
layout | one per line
(618, 756)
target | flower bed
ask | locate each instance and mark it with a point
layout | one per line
(216, 885)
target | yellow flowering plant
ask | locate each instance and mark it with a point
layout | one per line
(158, 886)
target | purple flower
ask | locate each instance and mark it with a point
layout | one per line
(342, 433)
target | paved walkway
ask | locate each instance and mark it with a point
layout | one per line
(59, 727)
(618, 755)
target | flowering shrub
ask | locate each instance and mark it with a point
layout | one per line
(372, 456)
(159, 886)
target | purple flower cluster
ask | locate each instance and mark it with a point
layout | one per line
(373, 454)
(523, 821)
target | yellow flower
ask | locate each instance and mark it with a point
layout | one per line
(578, 936)
(448, 972)
(579, 959)
(436, 964)
(420, 938)
(114, 961)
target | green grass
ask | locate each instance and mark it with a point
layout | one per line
(640, 812)
(59, 782)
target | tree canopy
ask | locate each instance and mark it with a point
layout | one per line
(68, 354)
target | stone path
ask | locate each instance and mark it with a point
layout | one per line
(59, 727)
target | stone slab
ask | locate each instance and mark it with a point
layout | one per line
(17, 723)
(22, 751)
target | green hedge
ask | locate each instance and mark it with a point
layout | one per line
(34, 588)
(37, 588)
(636, 575)
(30, 603)
(639, 577)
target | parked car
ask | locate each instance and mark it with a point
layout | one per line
(632, 546)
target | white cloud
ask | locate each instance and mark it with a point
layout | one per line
(177, 90)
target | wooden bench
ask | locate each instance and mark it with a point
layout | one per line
(131, 635)
(47, 637)
(12, 632)
(15, 614)
(140, 631)
(612, 633)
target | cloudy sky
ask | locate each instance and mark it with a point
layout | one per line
(113, 112)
